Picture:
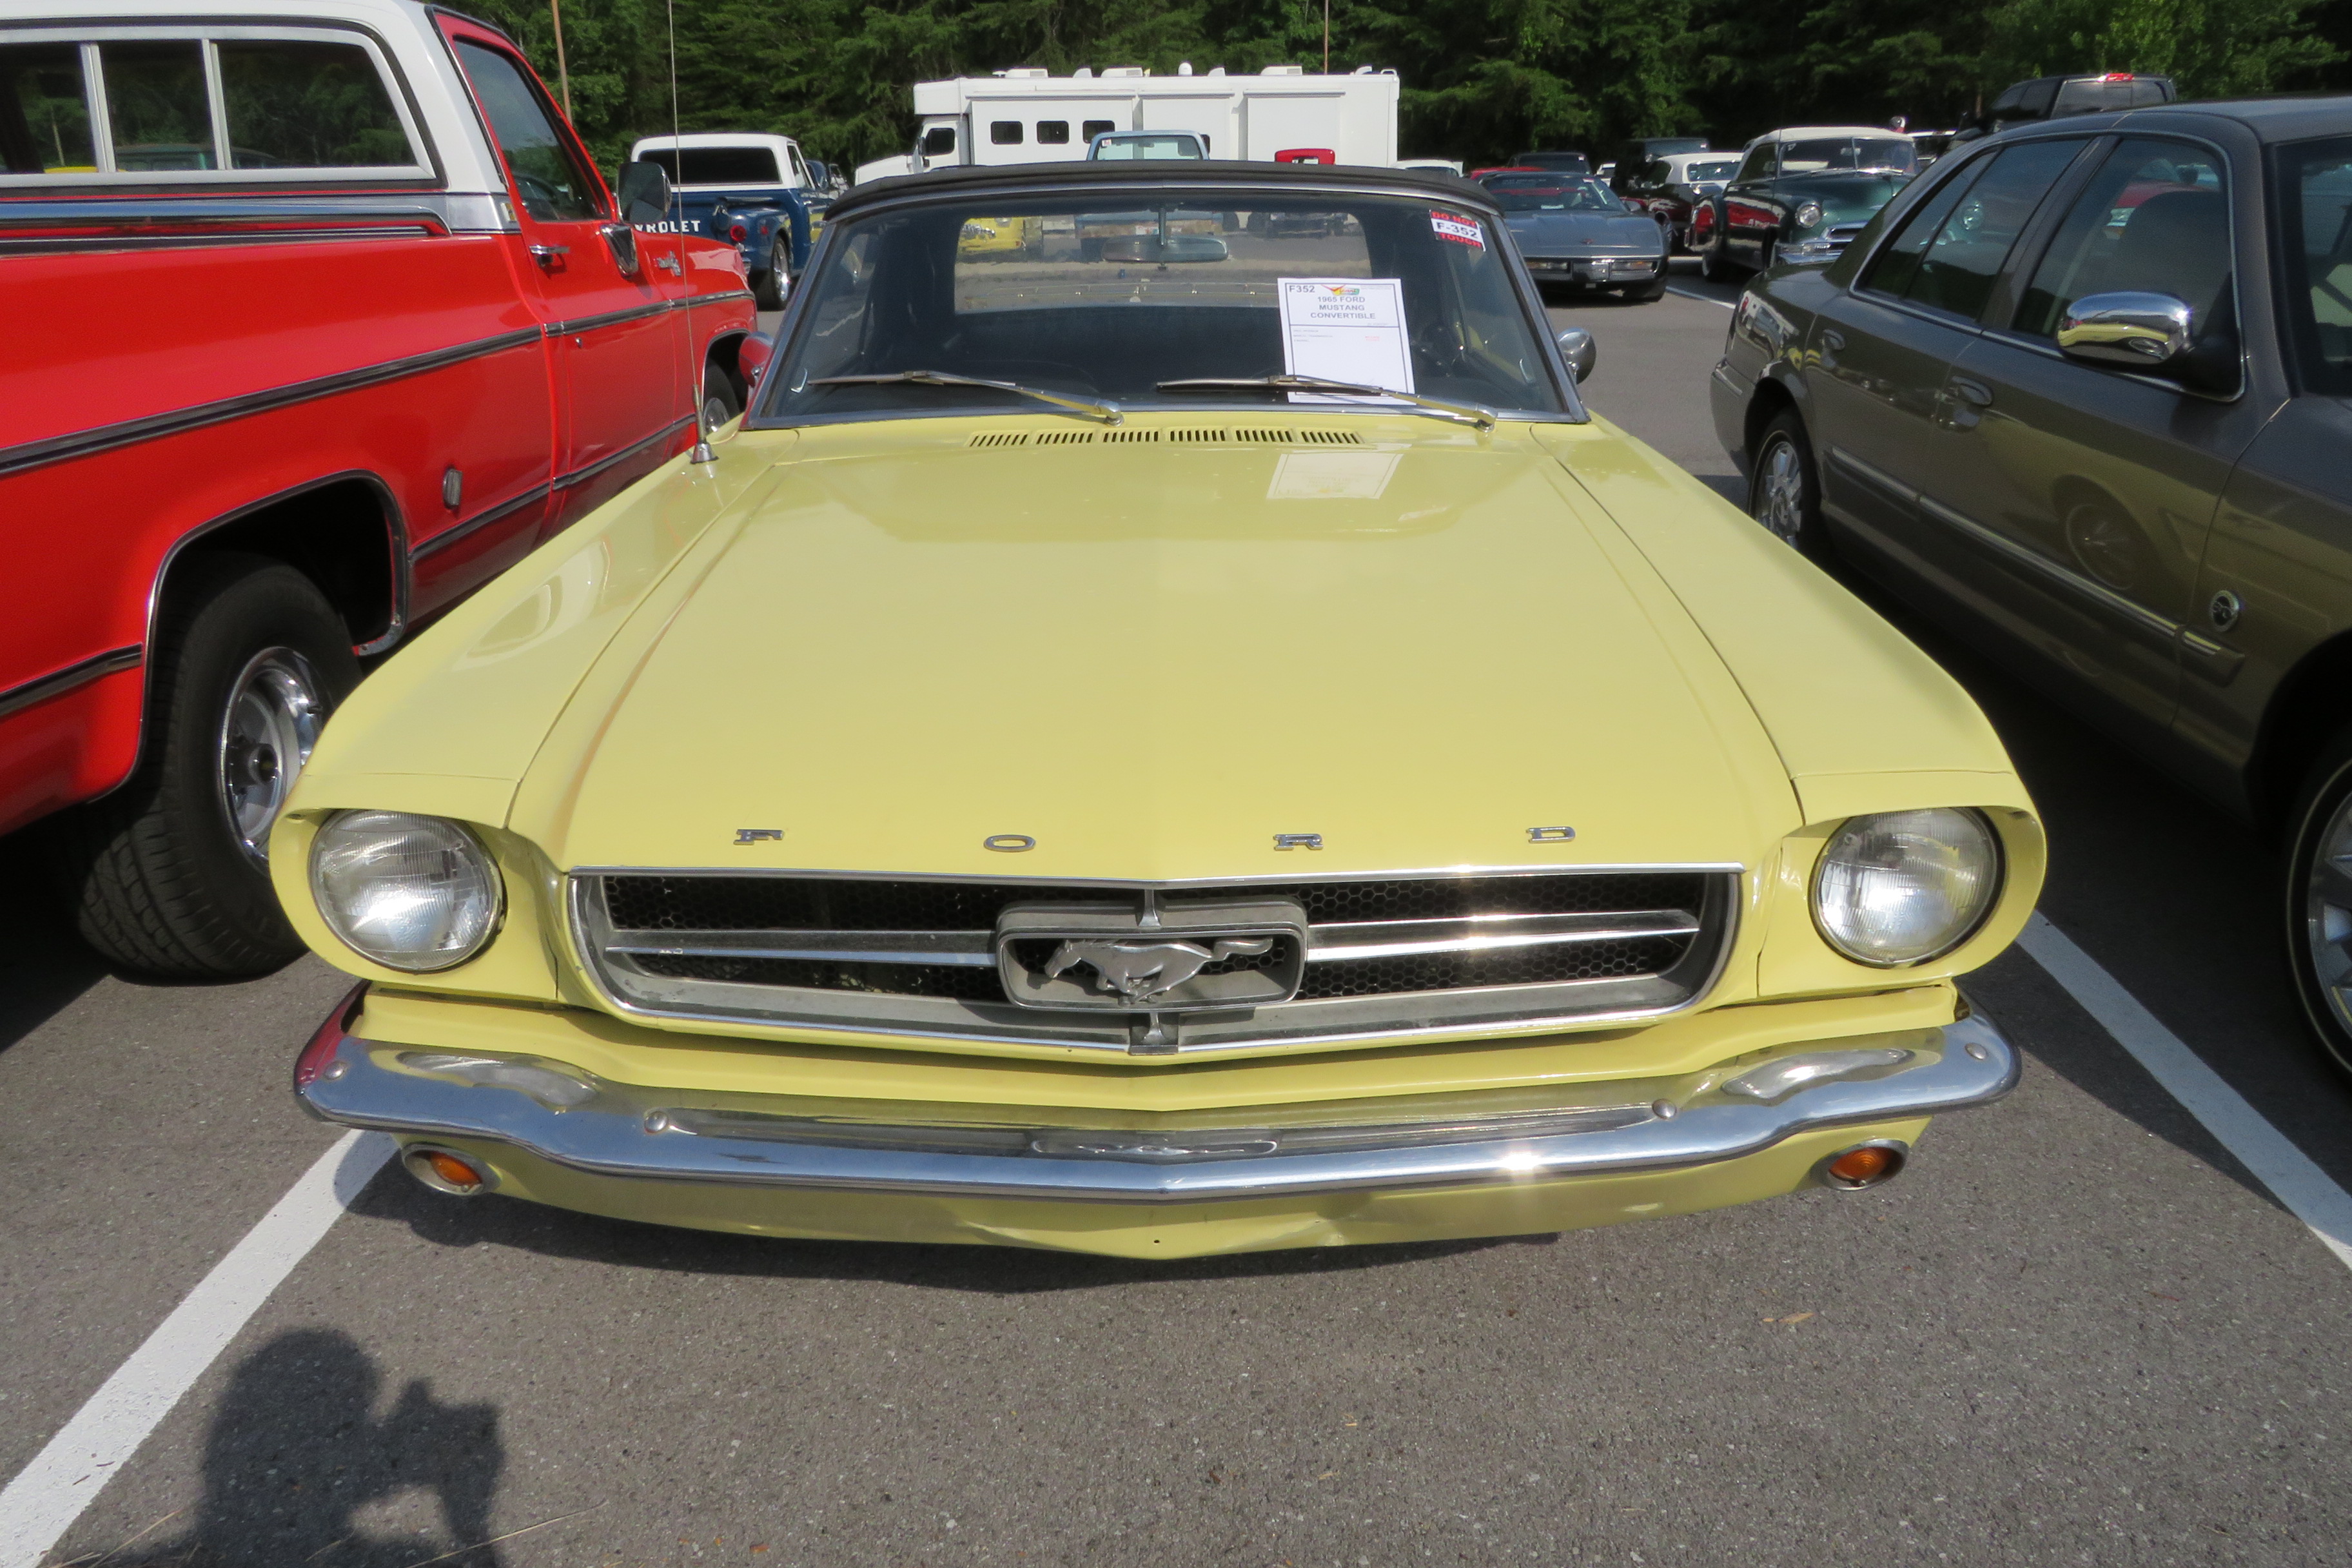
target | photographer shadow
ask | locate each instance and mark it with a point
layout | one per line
(296, 1450)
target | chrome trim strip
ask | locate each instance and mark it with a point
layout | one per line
(612, 318)
(1173, 885)
(1616, 927)
(622, 1133)
(951, 949)
(84, 443)
(57, 683)
(580, 475)
(481, 519)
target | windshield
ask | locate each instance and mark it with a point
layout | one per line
(1109, 294)
(1816, 155)
(1719, 168)
(1537, 195)
(1183, 146)
(2318, 258)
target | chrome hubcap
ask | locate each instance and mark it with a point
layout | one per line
(1781, 489)
(2327, 913)
(276, 711)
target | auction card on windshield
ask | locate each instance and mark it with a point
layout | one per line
(1345, 329)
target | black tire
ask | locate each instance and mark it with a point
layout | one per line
(159, 873)
(2317, 901)
(719, 402)
(1784, 487)
(1714, 265)
(768, 288)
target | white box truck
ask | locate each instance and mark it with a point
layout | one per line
(1029, 116)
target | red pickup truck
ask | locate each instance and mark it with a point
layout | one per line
(317, 317)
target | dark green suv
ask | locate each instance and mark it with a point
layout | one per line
(2084, 393)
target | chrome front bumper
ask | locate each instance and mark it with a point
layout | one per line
(572, 1119)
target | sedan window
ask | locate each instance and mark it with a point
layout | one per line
(2154, 219)
(2315, 183)
(1821, 154)
(45, 110)
(1951, 249)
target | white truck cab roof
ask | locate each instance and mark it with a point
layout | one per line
(707, 160)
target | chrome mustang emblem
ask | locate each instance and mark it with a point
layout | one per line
(1142, 972)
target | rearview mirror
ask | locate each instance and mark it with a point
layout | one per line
(645, 194)
(1577, 347)
(2131, 331)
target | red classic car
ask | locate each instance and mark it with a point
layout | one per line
(316, 321)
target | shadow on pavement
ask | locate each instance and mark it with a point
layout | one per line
(43, 964)
(296, 1449)
(993, 1270)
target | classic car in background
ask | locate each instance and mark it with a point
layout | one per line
(1800, 194)
(1674, 186)
(860, 834)
(2086, 394)
(392, 331)
(1576, 233)
(754, 191)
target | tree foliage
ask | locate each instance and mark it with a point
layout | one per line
(1481, 78)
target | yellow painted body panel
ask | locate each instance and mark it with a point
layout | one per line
(1152, 655)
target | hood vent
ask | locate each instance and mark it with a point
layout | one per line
(1066, 438)
(1259, 437)
(1001, 439)
(1216, 436)
(1130, 435)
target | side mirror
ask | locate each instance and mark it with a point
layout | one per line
(2133, 330)
(751, 357)
(644, 193)
(1577, 347)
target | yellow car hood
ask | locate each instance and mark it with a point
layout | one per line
(1151, 658)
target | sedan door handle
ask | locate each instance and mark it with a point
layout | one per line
(1833, 339)
(1974, 392)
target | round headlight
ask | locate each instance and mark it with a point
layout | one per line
(1808, 214)
(1906, 886)
(409, 892)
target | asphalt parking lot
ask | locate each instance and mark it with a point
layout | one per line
(2079, 1330)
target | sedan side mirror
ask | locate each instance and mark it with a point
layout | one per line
(2131, 331)
(644, 193)
(1577, 347)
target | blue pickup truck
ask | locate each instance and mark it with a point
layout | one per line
(755, 191)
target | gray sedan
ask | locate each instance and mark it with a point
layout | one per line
(1575, 232)
(2084, 393)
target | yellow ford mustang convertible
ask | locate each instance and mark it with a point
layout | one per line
(1159, 759)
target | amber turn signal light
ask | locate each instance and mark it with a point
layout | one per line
(1863, 1165)
(446, 1172)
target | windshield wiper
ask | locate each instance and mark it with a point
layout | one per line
(1468, 413)
(1100, 408)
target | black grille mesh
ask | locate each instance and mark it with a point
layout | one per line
(820, 903)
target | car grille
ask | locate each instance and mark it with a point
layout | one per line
(1385, 956)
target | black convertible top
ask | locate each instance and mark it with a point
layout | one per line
(1163, 174)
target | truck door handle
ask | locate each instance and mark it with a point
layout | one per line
(1972, 392)
(550, 257)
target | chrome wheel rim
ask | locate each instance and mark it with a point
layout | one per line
(714, 414)
(2327, 913)
(276, 710)
(1781, 489)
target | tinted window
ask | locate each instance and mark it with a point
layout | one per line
(1094, 128)
(305, 105)
(2315, 187)
(44, 114)
(552, 187)
(1004, 132)
(156, 105)
(1053, 132)
(714, 166)
(2155, 218)
(1758, 166)
(1950, 252)
(938, 141)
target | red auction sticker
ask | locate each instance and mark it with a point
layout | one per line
(1461, 230)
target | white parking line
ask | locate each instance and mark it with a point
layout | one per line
(47, 1495)
(2276, 1163)
(1687, 294)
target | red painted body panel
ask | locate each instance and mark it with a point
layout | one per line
(100, 339)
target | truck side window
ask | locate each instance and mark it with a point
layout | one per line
(1053, 132)
(298, 104)
(45, 110)
(938, 142)
(156, 105)
(1094, 128)
(552, 187)
(1004, 132)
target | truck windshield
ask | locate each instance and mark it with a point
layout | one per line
(1147, 147)
(1108, 295)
